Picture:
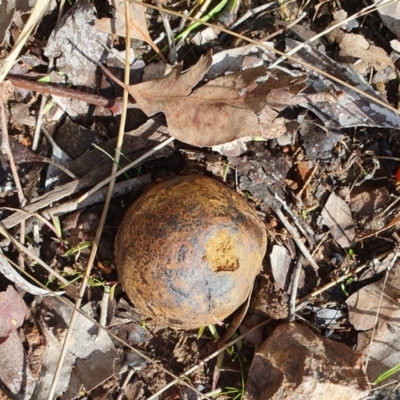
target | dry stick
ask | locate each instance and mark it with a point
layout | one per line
(281, 53)
(302, 302)
(36, 134)
(309, 234)
(396, 255)
(103, 215)
(57, 90)
(173, 55)
(361, 13)
(295, 285)
(5, 148)
(299, 243)
(126, 381)
(284, 29)
(307, 181)
(251, 13)
(22, 248)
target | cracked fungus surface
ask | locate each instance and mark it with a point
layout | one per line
(188, 250)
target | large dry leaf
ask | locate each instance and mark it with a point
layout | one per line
(244, 103)
(137, 23)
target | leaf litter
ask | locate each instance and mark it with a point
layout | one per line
(286, 139)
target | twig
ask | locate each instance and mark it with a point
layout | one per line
(115, 105)
(251, 13)
(284, 29)
(299, 243)
(120, 188)
(361, 13)
(295, 285)
(173, 55)
(302, 302)
(39, 121)
(308, 180)
(205, 360)
(23, 249)
(104, 306)
(5, 147)
(308, 235)
(131, 371)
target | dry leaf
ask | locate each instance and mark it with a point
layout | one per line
(336, 105)
(13, 311)
(337, 216)
(137, 23)
(363, 305)
(241, 104)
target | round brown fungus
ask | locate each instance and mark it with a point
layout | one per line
(188, 251)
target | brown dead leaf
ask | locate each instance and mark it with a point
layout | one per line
(336, 215)
(137, 23)
(13, 311)
(241, 104)
(363, 307)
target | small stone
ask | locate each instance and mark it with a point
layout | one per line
(296, 363)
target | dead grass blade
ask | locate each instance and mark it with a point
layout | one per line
(36, 15)
(24, 250)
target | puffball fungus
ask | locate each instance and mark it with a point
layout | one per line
(188, 251)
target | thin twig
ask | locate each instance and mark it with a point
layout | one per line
(361, 13)
(308, 180)
(252, 13)
(104, 306)
(205, 360)
(23, 249)
(309, 234)
(295, 285)
(36, 15)
(302, 302)
(284, 29)
(173, 55)
(298, 242)
(39, 121)
(5, 148)
(131, 371)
